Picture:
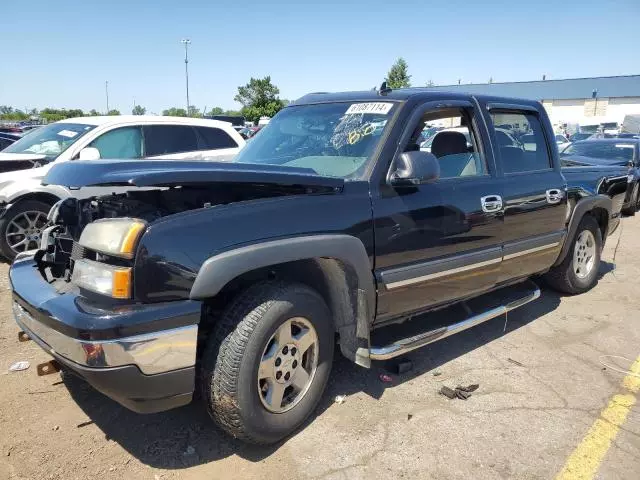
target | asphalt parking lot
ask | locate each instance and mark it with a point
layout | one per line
(545, 405)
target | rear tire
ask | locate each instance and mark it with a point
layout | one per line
(633, 202)
(28, 217)
(261, 376)
(578, 272)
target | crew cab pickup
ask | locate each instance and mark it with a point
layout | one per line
(236, 278)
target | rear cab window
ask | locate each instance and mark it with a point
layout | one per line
(520, 141)
(214, 139)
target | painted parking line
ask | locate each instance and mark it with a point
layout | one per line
(584, 462)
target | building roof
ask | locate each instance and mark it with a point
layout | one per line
(567, 89)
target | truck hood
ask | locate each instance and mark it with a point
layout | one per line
(10, 162)
(171, 173)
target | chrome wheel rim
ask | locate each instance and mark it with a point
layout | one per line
(288, 365)
(584, 254)
(25, 230)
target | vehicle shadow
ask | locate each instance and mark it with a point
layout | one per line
(186, 436)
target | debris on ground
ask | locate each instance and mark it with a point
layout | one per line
(409, 416)
(56, 428)
(19, 366)
(404, 367)
(515, 362)
(386, 378)
(340, 399)
(189, 451)
(459, 392)
(437, 373)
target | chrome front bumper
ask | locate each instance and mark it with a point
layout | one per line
(152, 353)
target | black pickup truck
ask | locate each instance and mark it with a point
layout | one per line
(237, 278)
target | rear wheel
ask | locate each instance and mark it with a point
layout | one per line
(268, 361)
(21, 227)
(578, 272)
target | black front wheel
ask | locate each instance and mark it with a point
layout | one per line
(21, 227)
(633, 201)
(267, 363)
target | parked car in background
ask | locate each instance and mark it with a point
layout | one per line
(237, 122)
(238, 284)
(620, 155)
(249, 132)
(576, 137)
(561, 141)
(628, 135)
(7, 139)
(24, 202)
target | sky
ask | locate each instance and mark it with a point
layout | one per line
(60, 53)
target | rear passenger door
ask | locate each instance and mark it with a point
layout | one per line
(535, 200)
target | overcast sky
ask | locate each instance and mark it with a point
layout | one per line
(60, 53)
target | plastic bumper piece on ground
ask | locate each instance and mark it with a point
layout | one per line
(116, 351)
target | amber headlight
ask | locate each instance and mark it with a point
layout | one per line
(102, 278)
(113, 236)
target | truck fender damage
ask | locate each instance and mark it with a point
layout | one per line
(352, 316)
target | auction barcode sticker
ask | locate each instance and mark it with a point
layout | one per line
(376, 107)
(67, 133)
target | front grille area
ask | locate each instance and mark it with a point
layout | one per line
(78, 252)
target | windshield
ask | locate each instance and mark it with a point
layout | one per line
(620, 152)
(50, 140)
(332, 139)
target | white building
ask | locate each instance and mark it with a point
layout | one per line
(583, 101)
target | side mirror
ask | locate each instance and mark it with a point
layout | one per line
(630, 164)
(89, 153)
(415, 168)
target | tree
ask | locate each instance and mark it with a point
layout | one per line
(113, 112)
(398, 76)
(175, 112)
(233, 113)
(259, 98)
(194, 112)
(430, 83)
(93, 113)
(138, 110)
(215, 111)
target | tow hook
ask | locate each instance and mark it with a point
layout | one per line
(23, 337)
(47, 368)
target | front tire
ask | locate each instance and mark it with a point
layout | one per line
(268, 361)
(633, 202)
(578, 272)
(21, 227)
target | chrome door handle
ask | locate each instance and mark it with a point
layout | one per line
(554, 195)
(491, 203)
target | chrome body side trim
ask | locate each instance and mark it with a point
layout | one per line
(442, 273)
(405, 345)
(531, 250)
(152, 353)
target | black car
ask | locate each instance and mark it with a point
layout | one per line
(623, 153)
(235, 279)
(7, 139)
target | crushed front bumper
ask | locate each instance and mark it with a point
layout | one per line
(142, 356)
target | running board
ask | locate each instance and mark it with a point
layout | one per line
(405, 345)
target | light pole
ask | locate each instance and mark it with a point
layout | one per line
(106, 91)
(186, 43)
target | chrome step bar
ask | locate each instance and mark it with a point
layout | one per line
(405, 345)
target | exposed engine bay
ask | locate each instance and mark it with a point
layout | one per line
(70, 216)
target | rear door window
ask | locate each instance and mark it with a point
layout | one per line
(521, 141)
(168, 139)
(214, 138)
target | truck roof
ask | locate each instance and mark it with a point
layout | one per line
(402, 94)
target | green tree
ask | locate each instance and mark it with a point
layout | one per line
(93, 113)
(398, 76)
(215, 111)
(194, 112)
(138, 110)
(113, 112)
(5, 109)
(175, 112)
(233, 113)
(430, 83)
(259, 98)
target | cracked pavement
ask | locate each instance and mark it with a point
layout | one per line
(523, 422)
